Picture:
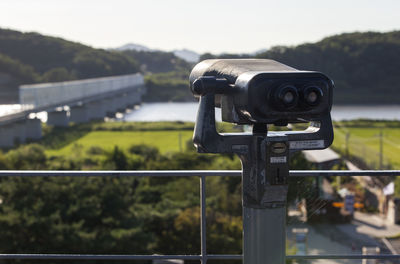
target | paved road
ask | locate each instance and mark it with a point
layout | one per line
(319, 243)
(373, 226)
(364, 231)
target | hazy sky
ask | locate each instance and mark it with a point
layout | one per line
(207, 25)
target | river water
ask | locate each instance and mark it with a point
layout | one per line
(187, 112)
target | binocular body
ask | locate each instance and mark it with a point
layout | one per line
(263, 91)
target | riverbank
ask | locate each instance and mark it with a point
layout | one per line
(187, 111)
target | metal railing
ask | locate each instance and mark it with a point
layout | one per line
(202, 174)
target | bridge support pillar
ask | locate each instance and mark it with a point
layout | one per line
(127, 101)
(58, 118)
(7, 136)
(96, 110)
(79, 114)
(33, 129)
(110, 106)
(120, 103)
(20, 132)
(133, 98)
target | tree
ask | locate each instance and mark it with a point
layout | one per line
(27, 157)
(116, 159)
(58, 75)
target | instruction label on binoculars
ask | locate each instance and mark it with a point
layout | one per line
(278, 159)
(307, 144)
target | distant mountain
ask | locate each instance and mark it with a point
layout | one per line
(158, 61)
(259, 51)
(187, 55)
(135, 47)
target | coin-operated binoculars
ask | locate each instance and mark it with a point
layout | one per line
(259, 93)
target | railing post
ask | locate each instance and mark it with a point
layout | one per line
(203, 224)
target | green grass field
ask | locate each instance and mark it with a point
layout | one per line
(166, 136)
(165, 141)
(364, 139)
(364, 143)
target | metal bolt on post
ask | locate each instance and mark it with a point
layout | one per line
(258, 93)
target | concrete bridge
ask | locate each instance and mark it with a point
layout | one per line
(74, 101)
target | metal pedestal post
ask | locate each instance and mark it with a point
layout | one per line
(264, 235)
(265, 176)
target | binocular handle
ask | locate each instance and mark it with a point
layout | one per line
(319, 135)
(206, 138)
(210, 84)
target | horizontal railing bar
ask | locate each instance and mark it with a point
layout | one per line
(189, 173)
(384, 256)
(225, 257)
(97, 257)
(316, 173)
(168, 173)
(352, 256)
(184, 257)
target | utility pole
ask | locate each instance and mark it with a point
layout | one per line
(338, 183)
(347, 145)
(381, 150)
(180, 141)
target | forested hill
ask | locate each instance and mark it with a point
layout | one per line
(364, 66)
(32, 57)
(44, 58)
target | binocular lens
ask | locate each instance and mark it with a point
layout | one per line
(288, 96)
(312, 95)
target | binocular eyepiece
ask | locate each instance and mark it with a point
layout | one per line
(288, 96)
(263, 91)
